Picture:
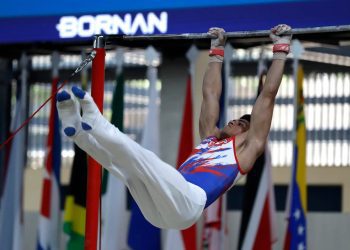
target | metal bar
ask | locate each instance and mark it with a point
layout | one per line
(236, 34)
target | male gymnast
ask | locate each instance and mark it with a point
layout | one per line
(170, 198)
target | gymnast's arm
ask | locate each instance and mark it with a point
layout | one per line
(210, 108)
(261, 116)
(211, 88)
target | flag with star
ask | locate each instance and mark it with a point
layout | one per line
(296, 229)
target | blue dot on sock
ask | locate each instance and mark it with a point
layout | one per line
(62, 96)
(78, 92)
(86, 126)
(69, 131)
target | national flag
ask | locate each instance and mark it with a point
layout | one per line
(143, 235)
(187, 240)
(296, 229)
(258, 223)
(260, 226)
(11, 199)
(215, 230)
(114, 215)
(75, 199)
(189, 235)
(75, 202)
(50, 213)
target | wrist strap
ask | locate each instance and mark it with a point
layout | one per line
(216, 52)
(282, 47)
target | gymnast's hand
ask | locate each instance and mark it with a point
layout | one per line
(220, 38)
(280, 38)
(217, 45)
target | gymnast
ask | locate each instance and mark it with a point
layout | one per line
(170, 198)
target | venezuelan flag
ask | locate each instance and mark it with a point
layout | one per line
(296, 231)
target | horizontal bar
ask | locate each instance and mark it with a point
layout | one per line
(236, 34)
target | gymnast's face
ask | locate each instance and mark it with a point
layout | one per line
(235, 127)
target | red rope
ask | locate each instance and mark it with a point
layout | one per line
(31, 117)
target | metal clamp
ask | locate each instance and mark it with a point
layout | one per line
(86, 61)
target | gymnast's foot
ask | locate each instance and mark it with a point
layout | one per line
(91, 113)
(68, 111)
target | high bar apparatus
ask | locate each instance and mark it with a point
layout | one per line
(235, 34)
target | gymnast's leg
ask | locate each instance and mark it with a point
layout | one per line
(165, 198)
(71, 122)
(69, 112)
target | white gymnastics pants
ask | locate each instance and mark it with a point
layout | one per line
(163, 195)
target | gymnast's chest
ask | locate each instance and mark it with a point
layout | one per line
(213, 153)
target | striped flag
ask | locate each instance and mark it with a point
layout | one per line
(75, 199)
(258, 223)
(143, 235)
(50, 213)
(215, 231)
(296, 228)
(186, 146)
(214, 226)
(187, 239)
(114, 216)
(11, 203)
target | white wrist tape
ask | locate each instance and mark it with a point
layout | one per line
(216, 58)
(279, 56)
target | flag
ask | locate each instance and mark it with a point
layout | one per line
(11, 199)
(143, 235)
(50, 213)
(114, 215)
(215, 232)
(296, 228)
(258, 223)
(75, 202)
(214, 229)
(186, 146)
(187, 239)
(74, 219)
(75, 199)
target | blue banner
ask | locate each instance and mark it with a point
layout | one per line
(17, 8)
(240, 17)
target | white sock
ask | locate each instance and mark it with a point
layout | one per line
(91, 113)
(68, 110)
